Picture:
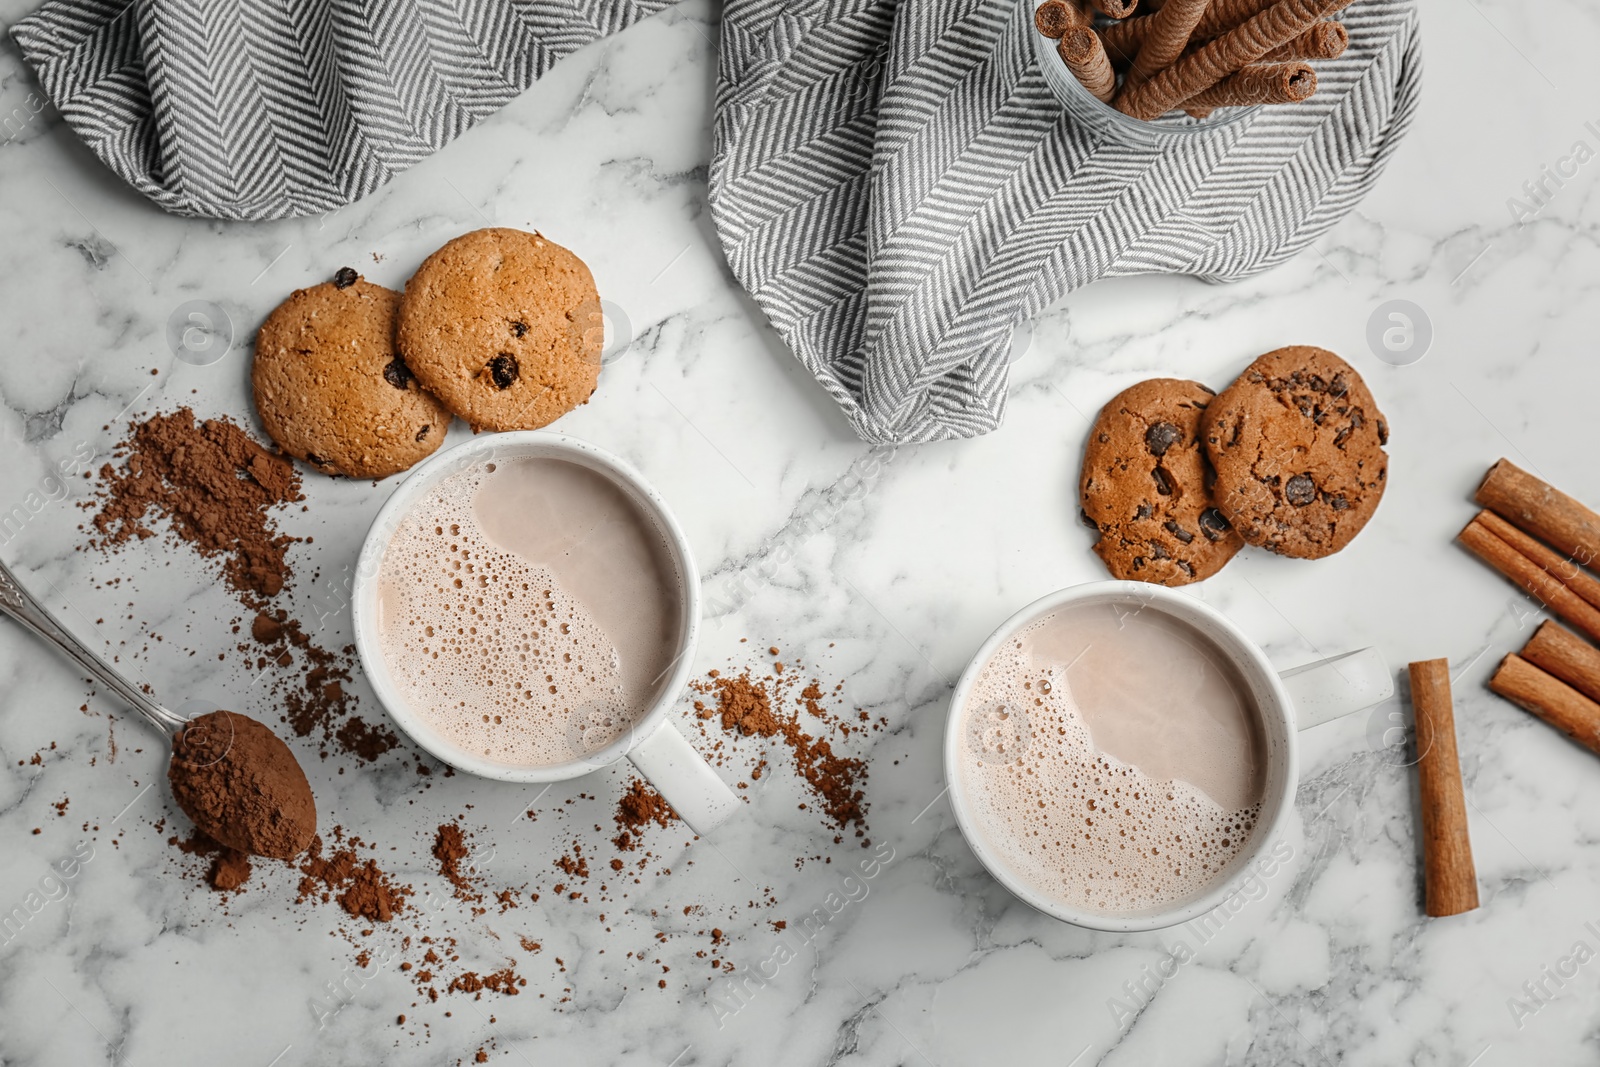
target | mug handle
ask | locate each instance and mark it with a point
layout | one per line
(688, 783)
(1336, 686)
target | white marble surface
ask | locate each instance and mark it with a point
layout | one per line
(935, 964)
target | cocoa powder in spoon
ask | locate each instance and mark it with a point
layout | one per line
(241, 785)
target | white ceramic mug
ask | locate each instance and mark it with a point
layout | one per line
(653, 744)
(1286, 702)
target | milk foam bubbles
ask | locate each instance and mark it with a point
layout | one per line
(528, 611)
(1096, 829)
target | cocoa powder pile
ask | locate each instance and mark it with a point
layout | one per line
(229, 869)
(450, 849)
(241, 786)
(213, 484)
(639, 806)
(359, 886)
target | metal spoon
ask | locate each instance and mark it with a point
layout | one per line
(219, 762)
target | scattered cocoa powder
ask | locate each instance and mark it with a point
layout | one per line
(315, 701)
(746, 705)
(358, 885)
(213, 485)
(505, 981)
(450, 848)
(639, 806)
(574, 865)
(217, 490)
(229, 870)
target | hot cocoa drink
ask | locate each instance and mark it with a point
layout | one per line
(1114, 758)
(529, 610)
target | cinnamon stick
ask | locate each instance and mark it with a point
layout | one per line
(1083, 54)
(1560, 652)
(1551, 699)
(1450, 881)
(1239, 47)
(1553, 563)
(1325, 40)
(1531, 577)
(1542, 510)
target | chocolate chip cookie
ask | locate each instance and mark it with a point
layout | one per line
(332, 390)
(1146, 486)
(1297, 443)
(505, 328)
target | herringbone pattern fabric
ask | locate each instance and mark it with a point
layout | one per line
(897, 188)
(262, 109)
(892, 180)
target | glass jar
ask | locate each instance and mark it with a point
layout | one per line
(1108, 120)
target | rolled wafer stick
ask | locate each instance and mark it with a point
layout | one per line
(1560, 652)
(1055, 17)
(1115, 9)
(1123, 39)
(1551, 699)
(1531, 577)
(1261, 83)
(1542, 510)
(1084, 55)
(1200, 70)
(1325, 40)
(1169, 33)
(1126, 37)
(1548, 559)
(1450, 882)
(1224, 15)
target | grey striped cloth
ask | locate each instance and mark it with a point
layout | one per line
(892, 180)
(265, 109)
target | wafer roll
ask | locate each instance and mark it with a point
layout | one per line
(1325, 40)
(1224, 15)
(1169, 33)
(1127, 37)
(1265, 83)
(1056, 17)
(1114, 9)
(1084, 55)
(1238, 48)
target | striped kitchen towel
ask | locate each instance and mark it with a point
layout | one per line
(892, 180)
(897, 188)
(266, 109)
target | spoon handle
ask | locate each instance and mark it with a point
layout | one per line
(18, 603)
